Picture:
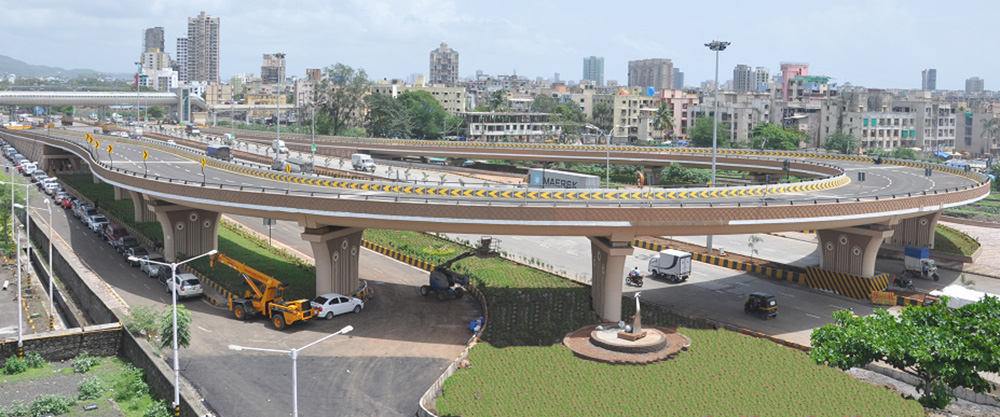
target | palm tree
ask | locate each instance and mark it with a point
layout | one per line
(991, 129)
(664, 119)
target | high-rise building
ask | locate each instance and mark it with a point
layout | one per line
(678, 79)
(314, 74)
(593, 69)
(791, 70)
(202, 61)
(180, 62)
(657, 73)
(444, 66)
(272, 70)
(761, 78)
(154, 60)
(974, 85)
(743, 78)
(153, 39)
(928, 79)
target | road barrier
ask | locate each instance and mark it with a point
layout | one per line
(777, 273)
(845, 284)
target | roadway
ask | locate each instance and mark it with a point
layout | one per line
(400, 345)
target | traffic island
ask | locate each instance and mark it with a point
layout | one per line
(601, 343)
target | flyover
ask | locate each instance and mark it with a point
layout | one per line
(90, 98)
(900, 206)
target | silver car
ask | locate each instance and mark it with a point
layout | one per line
(187, 285)
(152, 269)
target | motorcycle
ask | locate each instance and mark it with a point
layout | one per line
(634, 280)
(902, 283)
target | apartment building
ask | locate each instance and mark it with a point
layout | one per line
(510, 127)
(657, 73)
(272, 69)
(453, 99)
(444, 66)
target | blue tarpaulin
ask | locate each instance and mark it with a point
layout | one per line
(944, 155)
(650, 91)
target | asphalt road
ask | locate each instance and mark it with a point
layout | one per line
(401, 342)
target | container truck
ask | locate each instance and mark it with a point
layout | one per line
(279, 147)
(362, 162)
(673, 264)
(550, 178)
(222, 152)
(67, 120)
(917, 262)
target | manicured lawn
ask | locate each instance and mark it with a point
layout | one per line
(722, 374)
(950, 240)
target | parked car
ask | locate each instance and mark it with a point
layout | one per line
(68, 201)
(97, 222)
(152, 269)
(113, 233)
(135, 252)
(59, 197)
(80, 208)
(332, 304)
(51, 188)
(187, 285)
(126, 243)
(38, 175)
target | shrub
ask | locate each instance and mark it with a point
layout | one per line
(34, 360)
(83, 362)
(16, 409)
(14, 366)
(157, 409)
(54, 404)
(142, 321)
(90, 388)
(129, 384)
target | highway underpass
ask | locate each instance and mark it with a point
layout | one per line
(852, 222)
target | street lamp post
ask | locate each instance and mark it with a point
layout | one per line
(173, 277)
(294, 353)
(20, 301)
(716, 46)
(52, 308)
(313, 147)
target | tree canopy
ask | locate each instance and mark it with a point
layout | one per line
(386, 118)
(425, 112)
(339, 97)
(543, 103)
(772, 136)
(664, 119)
(701, 134)
(944, 347)
(841, 142)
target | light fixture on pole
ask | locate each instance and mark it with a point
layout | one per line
(294, 353)
(173, 279)
(716, 46)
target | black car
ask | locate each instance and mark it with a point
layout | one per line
(137, 253)
(761, 304)
(126, 243)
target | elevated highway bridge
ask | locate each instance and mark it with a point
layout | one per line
(897, 205)
(88, 98)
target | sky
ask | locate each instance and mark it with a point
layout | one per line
(871, 43)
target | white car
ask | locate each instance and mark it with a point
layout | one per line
(97, 222)
(52, 188)
(188, 285)
(332, 304)
(153, 269)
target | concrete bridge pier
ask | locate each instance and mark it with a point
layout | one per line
(142, 213)
(652, 175)
(187, 231)
(608, 263)
(121, 193)
(852, 250)
(915, 231)
(336, 251)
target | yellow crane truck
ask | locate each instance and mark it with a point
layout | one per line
(264, 297)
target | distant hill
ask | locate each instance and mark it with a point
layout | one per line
(24, 69)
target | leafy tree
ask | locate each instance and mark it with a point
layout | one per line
(543, 103)
(772, 136)
(425, 113)
(498, 101)
(453, 123)
(841, 142)
(677, 174)
(991, 128)
(904, 153)
(664, 119)
(701, 133)
(945, 348)
(602, 115)
(155, 112)
(183, 327)
(339, 98)
(571, 118)
(386, 117)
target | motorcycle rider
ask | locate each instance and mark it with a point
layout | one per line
(635, 275)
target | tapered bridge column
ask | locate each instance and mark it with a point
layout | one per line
(608, 262)
(336, 251)
(186, 231)
(915, 231)
(851, 250)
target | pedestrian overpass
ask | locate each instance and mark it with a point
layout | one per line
(182, 99)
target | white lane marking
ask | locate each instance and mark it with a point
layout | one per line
(813, 316)
(786, 294)
(840, 308)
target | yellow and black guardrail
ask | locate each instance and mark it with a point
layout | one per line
(427, 266)
(777, 273)
(845, 284)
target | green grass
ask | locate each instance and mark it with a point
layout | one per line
(950, 240)
(722, 374)
(113, 374)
